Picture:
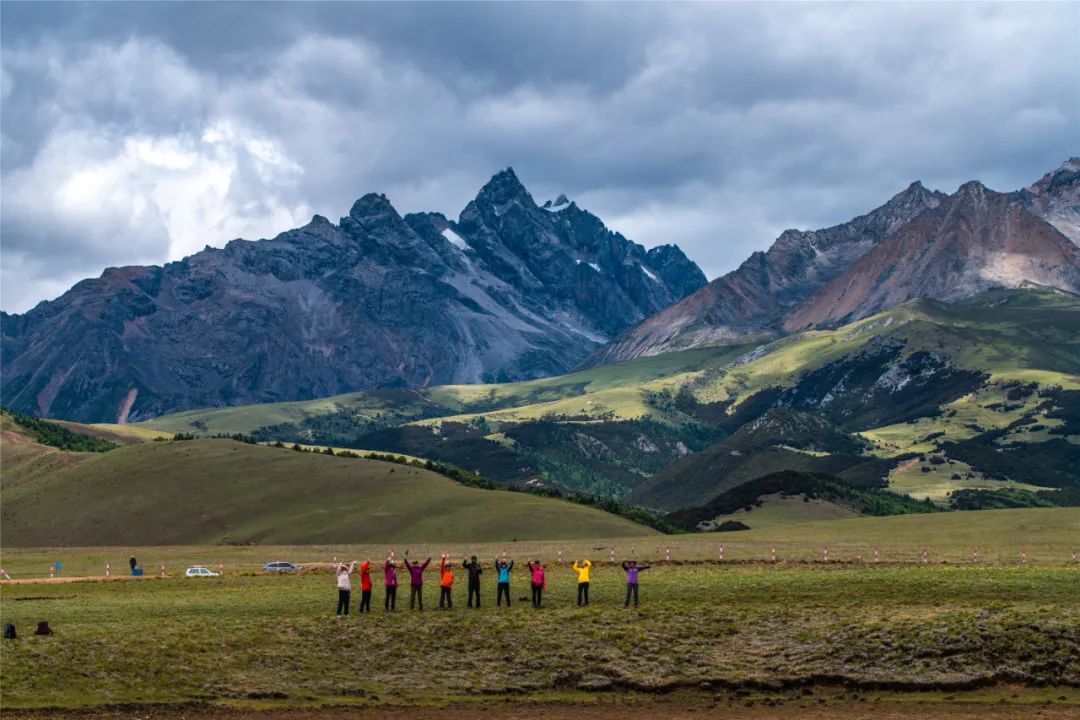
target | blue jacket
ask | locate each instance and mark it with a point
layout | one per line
(504, 572)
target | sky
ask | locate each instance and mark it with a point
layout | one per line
(138, 133)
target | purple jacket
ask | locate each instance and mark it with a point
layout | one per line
(632, 572)
(416, 571)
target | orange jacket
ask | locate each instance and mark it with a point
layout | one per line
(446, 578)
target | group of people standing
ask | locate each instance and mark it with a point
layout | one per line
(537, 581)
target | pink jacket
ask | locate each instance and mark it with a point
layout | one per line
(391, 574)
(537, 574)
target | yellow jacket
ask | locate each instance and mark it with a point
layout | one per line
(582, 570)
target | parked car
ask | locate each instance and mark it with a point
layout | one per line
(280, 566)
(199, 571)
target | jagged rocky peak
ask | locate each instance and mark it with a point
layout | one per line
(560, 203)
(504, 188)
(1055, 197)
(973, 189)
(378, 300)
(372, 206)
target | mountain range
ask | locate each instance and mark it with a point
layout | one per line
(510, 291)
(919, 244)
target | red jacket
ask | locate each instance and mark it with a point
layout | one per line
(365, 576)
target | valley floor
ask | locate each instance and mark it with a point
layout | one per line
(754, 630)
(798, 638)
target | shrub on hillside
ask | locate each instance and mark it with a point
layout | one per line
(58, 436)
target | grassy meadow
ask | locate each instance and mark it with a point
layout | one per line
(246, 640)
(744, 627)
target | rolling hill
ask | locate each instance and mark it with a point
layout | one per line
(226, 492)
(924, 399)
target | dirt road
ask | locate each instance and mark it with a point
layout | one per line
(668, 708)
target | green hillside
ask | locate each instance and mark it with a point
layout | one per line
(925, 399)
(220, 491)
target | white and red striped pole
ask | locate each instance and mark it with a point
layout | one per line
(162, 569)
(107, 573)
(721, 553)
(1074, 556)
(612, 554)
(925, 556)
(825, 555)
(974, 556)
(52, 569)
(667, 554)
(1023, 557)
(221, 568)
(876, 555)
(774, 553)
(334, 560)
(560, 556)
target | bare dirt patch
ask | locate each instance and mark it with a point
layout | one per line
(677, 707)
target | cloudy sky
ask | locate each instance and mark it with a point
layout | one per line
(138, 133)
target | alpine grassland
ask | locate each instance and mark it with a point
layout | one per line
(924, 392)
(737, 630)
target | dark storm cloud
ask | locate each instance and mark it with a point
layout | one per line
(140, 132)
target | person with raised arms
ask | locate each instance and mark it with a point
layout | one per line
(365, 587)
(344, 588)
(582, 570)
(475, 570)
(446, 584)
(632, 569)
(503, 575)
(538, 582)
(416, 581)
(390, 572)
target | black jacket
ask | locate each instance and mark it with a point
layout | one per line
(474, 570)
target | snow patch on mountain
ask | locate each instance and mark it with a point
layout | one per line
(455, 239)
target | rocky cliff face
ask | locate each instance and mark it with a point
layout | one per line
(919, 244)
(509, 291)
(1056, 198)
(975, 240)
(751, 301)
